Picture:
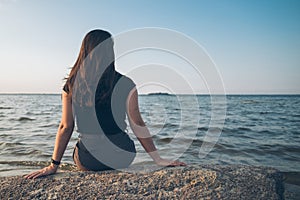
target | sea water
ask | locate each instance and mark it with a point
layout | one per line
(260, 130)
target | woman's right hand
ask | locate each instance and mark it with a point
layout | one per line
(51, 169)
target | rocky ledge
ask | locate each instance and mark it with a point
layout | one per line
(191, 182)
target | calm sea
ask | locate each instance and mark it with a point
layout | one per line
(259, 130)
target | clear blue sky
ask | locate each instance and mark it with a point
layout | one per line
(255, 44)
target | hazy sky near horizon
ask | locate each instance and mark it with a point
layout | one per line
(255, 44)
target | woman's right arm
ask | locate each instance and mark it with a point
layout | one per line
(141, 131)
(63, 135)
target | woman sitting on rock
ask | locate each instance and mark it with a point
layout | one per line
(97, 98)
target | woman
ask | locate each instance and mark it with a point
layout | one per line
(98, 98)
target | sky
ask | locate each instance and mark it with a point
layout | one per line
(255, 45)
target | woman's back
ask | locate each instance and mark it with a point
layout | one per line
(109, 114)
(112, 114)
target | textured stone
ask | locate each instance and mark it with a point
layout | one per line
(191, 182)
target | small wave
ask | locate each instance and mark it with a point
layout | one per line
(197, 142)
(25, 119)
(49, 125)
(32, 113)
(4, 129)
(244, 129)
(246, 136)
(263, 113)
(255, 119)
(266, 132)
(10, 144)
(249, 102)
(202, 128)
(224, 145)
(255, 151)
(3, 135)
(5, 108)
(286, 152)
(169, 125)
(39, 113)
(24, 152)
(227, 130)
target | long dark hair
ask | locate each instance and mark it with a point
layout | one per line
(89, 43)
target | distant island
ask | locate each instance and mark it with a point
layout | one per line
(161, 93)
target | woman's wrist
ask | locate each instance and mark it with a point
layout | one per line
(54, 163)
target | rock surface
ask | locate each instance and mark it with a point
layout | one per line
(191, 182)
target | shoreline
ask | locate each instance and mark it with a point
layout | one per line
(201, 181)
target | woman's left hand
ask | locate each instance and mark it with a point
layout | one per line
(51, 169)
(169, 163)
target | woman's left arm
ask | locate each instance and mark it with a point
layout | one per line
(63, 136)
(140, 129)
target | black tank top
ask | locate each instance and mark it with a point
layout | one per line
(110, 115)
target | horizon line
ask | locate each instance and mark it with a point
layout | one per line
(206, 94)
